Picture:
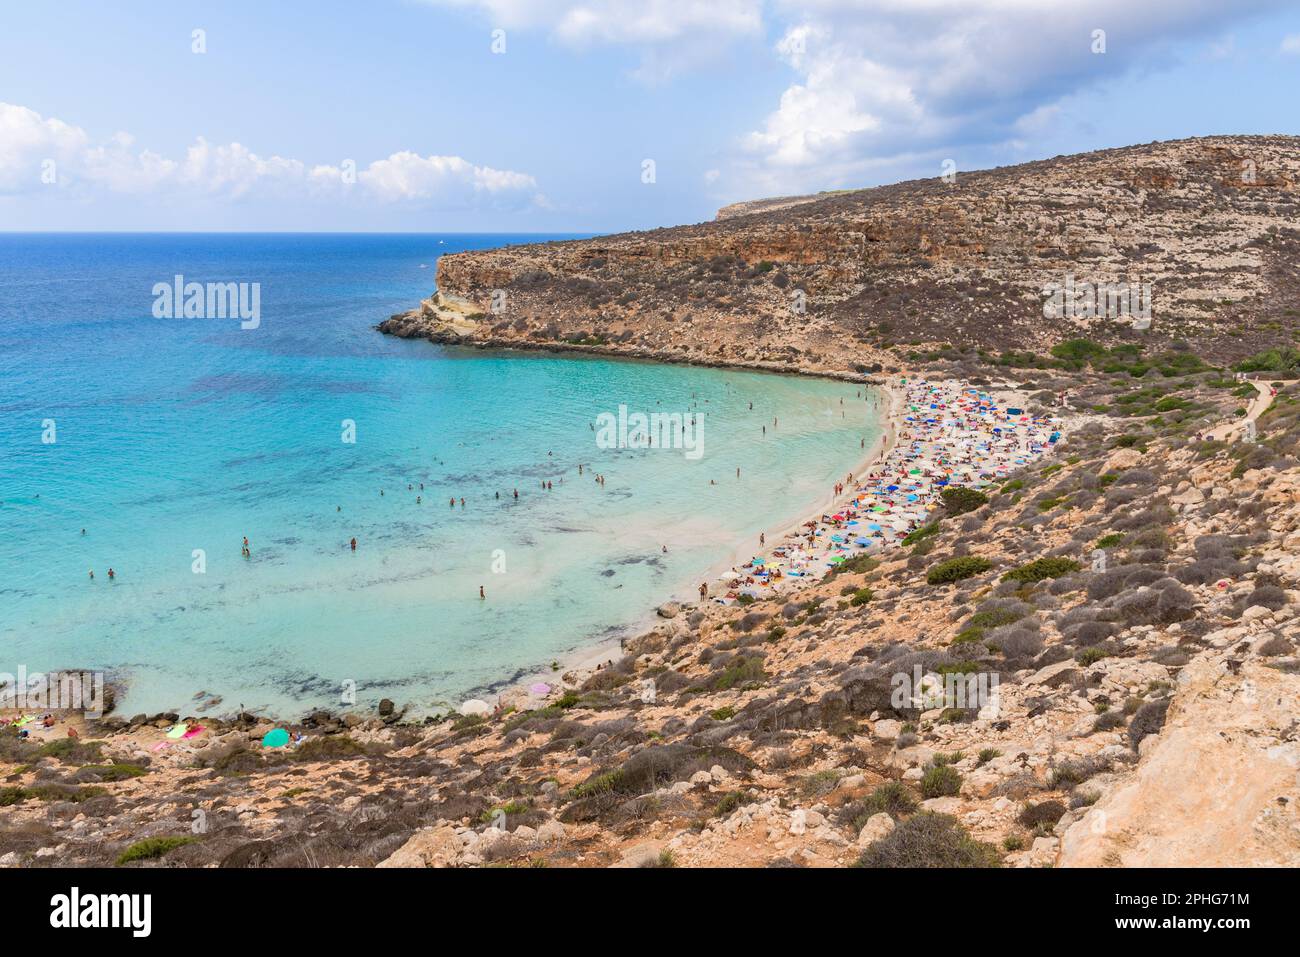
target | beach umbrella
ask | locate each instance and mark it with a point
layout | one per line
(176, 731)
(475, 706)
(275, 738)
(540, 687)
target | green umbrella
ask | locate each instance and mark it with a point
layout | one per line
(276, 738)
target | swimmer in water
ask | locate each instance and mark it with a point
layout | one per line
(354, 544)
(92, 574)
(480, 592)
(111, 574)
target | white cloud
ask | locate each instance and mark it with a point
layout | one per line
(28, 142)
(1291, 44)
(621, 21)
(670, 34)
(878, 79)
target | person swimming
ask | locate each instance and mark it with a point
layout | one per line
(92, 574)
(111, 574)
(354, 543)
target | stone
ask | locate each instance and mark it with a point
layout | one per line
(888, 729)
(433, 847)
(878, 826)
(552, 832)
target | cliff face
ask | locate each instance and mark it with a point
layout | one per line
(826, 282)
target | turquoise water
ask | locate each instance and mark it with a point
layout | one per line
(177, 435)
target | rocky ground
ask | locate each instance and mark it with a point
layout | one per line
(1134, 595)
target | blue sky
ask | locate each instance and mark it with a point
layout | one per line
(110, 120)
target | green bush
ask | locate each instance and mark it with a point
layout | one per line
(1042, 568)
(956, 569)
(861, 596)
(152, 847)
(941, 781)
(958, 499)
(929, 840)
(917, 534)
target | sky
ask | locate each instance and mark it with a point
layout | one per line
(588, 116)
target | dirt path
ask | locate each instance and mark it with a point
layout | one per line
(1257, 407)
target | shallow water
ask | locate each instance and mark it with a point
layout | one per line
(180, 436)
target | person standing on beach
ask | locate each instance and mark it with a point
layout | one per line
(762, 539)
(704, 591)
(480, 592)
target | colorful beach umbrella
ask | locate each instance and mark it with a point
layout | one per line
(275, 738)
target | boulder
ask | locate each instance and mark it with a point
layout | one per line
(878, 826)
(433, 847)
(1206, 790)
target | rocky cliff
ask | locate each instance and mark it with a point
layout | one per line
(829, 281)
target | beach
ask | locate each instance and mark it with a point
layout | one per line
(958, 434)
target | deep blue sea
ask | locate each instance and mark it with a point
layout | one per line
(170, 440)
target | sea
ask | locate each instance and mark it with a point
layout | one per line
(150, 439)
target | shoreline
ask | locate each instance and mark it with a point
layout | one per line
(584, 660)
(581, 663)
(589, 655)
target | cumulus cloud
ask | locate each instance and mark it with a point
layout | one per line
(670, 34)
(878, 79)
(38, 153)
